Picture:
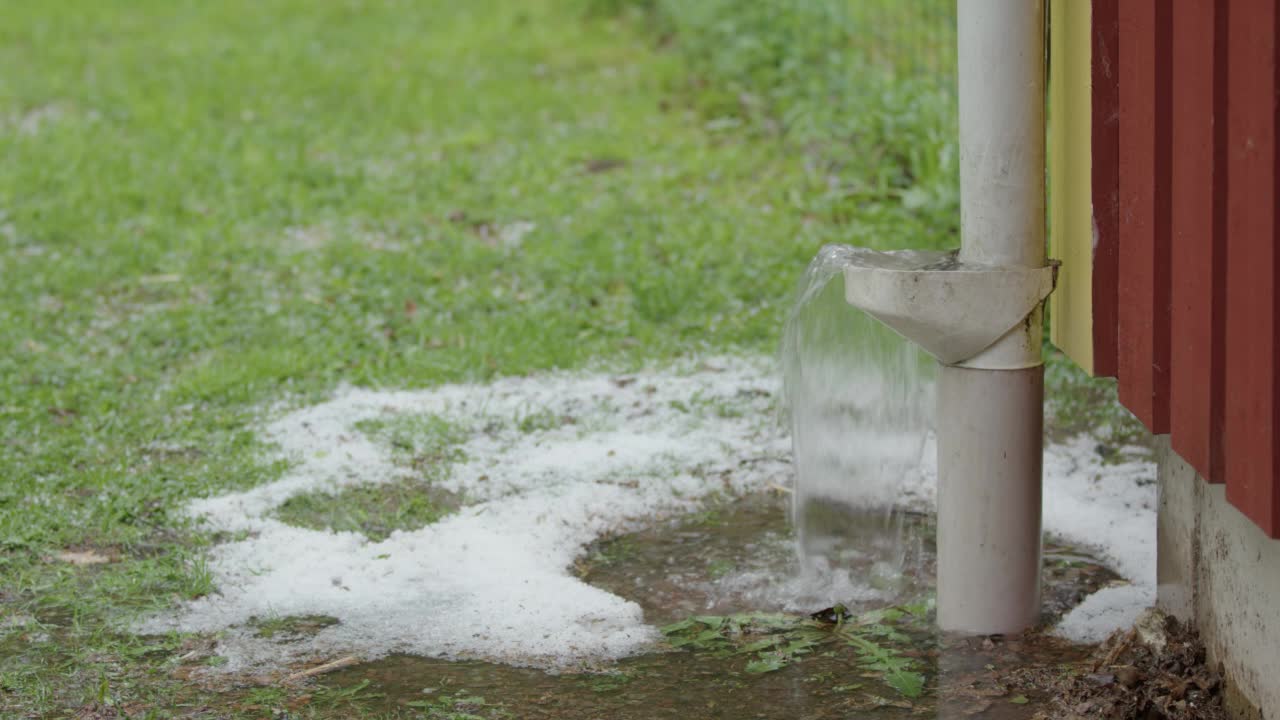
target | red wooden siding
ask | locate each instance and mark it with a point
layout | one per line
(1197, 239)
(1249, 431)
(1143, 294)
(1191, 302)
(1104, 69)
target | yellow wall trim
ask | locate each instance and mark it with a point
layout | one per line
(1071, 230)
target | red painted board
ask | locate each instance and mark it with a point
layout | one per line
(1197, 236)
(1105, 178)
(1145, 152)
(1252, 317)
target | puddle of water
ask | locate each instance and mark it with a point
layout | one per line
(966, 678)
(692, 566)
(675, 685)
(740, 556)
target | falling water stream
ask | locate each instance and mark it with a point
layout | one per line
(859, 399)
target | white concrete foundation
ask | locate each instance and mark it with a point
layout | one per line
(1217, 569)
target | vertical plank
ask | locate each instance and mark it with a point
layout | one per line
(1197, 238)
(1252, 320)
(1105, 180)
(1070, 192)
(1145, 145)
(1218, 396)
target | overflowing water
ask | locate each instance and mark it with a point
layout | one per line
(860, 405)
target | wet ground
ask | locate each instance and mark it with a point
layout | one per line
(724, 582)
(741, 555)
(966, 681)
(998, 679)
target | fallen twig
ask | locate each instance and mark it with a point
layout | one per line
(328, 667)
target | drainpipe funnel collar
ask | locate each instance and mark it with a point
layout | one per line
(953, 310)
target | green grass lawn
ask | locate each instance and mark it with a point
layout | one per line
(210, 207)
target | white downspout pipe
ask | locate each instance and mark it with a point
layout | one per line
(990, 407)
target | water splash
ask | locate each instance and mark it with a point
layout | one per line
(860, 404)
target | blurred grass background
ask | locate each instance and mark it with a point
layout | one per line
(865, 88)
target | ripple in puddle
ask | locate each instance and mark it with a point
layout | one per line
(740, 556)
